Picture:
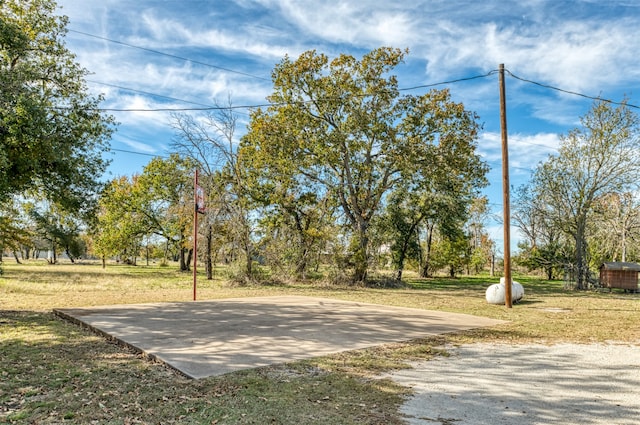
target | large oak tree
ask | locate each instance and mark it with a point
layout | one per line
(344, 126)
(52, 135)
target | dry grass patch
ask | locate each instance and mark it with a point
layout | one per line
(55, 372)
(59, 373)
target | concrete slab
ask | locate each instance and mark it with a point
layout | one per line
(207, 338)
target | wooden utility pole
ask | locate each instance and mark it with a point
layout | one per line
(505, 192)
(195, 231)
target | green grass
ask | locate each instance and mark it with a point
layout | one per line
(54, 372)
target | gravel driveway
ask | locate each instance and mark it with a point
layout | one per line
(526, 384)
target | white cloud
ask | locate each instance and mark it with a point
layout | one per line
(584, 46)
(362, 23)
(169, 33)
(575, 55)
(138, 146)
(533, 39)
(525, 151)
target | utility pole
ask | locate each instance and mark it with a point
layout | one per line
(505, 192)
(196, 201)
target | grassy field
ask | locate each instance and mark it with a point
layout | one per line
(53, 372)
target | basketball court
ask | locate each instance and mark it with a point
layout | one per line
(208, 338)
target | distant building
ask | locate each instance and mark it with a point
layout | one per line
(620, 275)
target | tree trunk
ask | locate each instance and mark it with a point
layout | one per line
(493, 264)
(424, 272)
(405, 247)
(70, 256)
(190, 255)
(166, 252)
(247, 247)
(401, 256)
(15, 255)
(580, 255)
(54, 258)
(361, 257)
(208, 264)
(134, 254)
(303, 250)
(249, 264)
(360, 271)
(184, 264)
(301, 265)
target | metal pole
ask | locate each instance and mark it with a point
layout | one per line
(195, 230)
(505, 192)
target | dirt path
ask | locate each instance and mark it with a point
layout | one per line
(526, 384)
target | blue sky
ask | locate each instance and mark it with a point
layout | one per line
(590, 47)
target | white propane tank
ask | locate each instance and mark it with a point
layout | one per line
(495, 292)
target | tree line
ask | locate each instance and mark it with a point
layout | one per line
(340, 174)
(340, 169)
(582, 207)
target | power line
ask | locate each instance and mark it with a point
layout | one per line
(213, 108)
(459, 80)
(207, 108)
(267, 79)
(255, 76)
(265, 105)
(157, 52)
(547, 86)
(138, 153)
(146, 93)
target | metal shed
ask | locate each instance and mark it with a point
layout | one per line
(620, 275)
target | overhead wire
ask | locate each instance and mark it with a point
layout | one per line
(493, 72)
(264, 105)
(574, 93)
(458, 80)
(232, 107)
(206, 107)
(133, 46)
(209, 108)
(146, 93)
(138, 153)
